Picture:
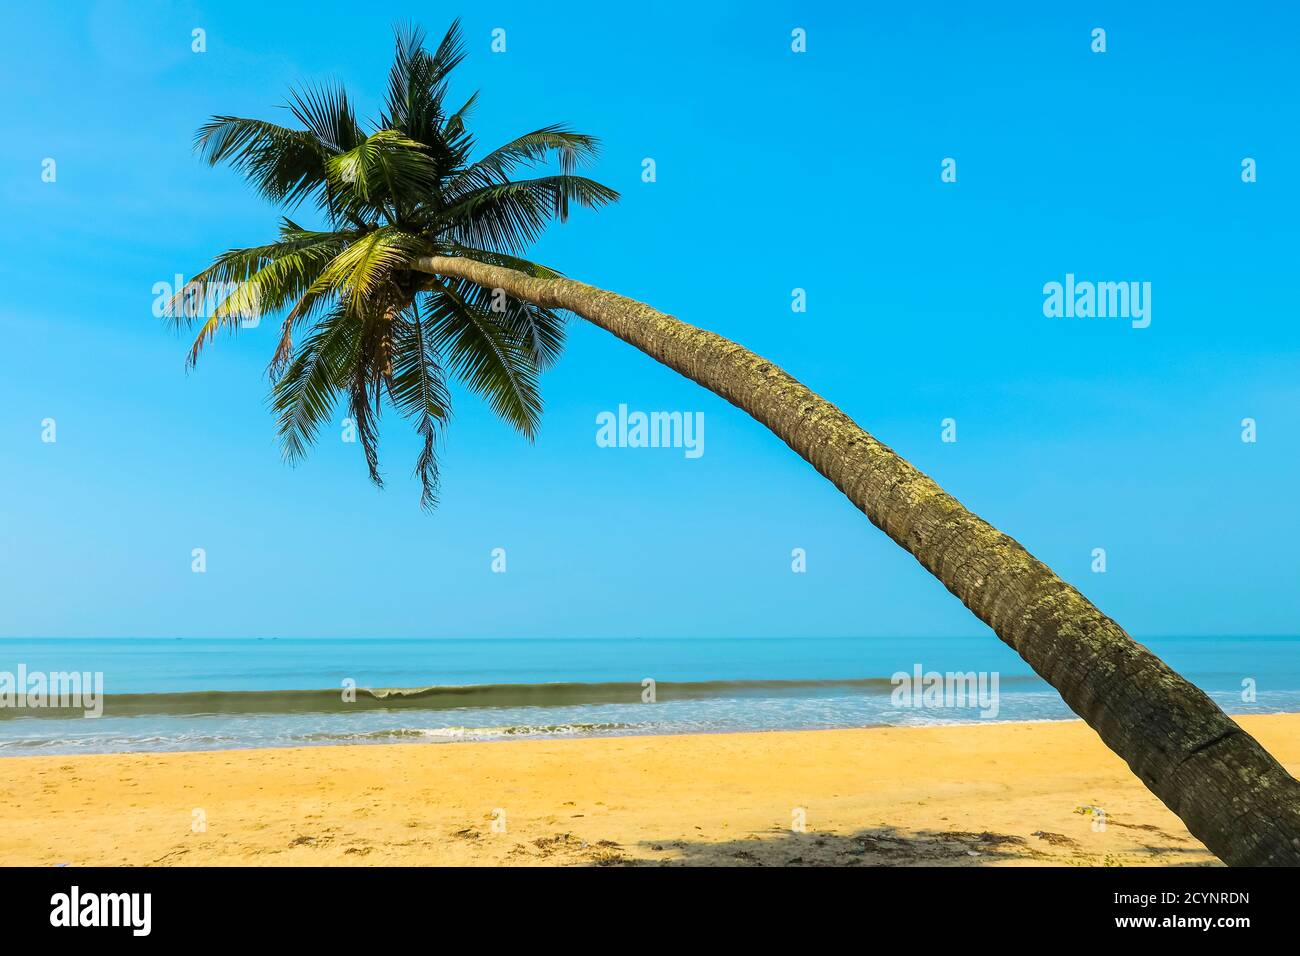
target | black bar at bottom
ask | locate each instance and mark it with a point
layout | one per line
(347, 905)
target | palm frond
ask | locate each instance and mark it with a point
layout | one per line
(304, 396)
(455, 125)
(371, 366)
(485, 356)
(538, 330)
(417, 83)
(511, 216)
(246, 283)
(359, 270)
(385, 172)
(377, 331)
(573, 149)
(285, 166)
(327, 113)
(418, 390)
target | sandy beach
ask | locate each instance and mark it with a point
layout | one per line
(973, 795)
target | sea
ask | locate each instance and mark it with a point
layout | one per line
(161, 694)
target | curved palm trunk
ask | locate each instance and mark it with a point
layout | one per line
(1229, 791)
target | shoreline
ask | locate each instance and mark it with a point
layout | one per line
(417, 738)
(996, 793)
(432, 737)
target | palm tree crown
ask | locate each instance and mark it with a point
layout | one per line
(359, 322)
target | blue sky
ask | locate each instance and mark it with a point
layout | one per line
(775, 170)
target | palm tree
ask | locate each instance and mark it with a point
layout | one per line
(418, 275)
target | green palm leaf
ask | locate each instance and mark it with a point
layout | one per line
(572, 149)
(379, 332)
(284, 165)
(304, 396)
(381, 174)
(512, 216)
(484, 355)
(418, 390)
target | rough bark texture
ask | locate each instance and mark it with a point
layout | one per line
(1229, 791)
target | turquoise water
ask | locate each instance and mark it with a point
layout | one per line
(189, 694)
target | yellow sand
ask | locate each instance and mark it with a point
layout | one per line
(969, 795)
